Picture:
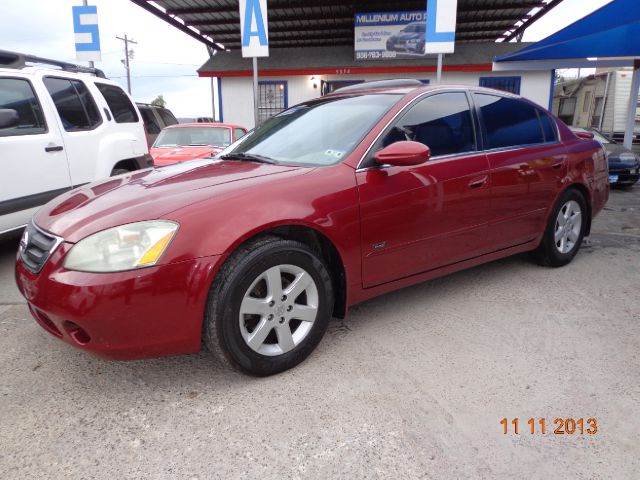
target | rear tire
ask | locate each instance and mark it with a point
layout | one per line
(250, 324)
(118, 171)
(565, 230)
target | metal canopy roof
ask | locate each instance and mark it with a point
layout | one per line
(299, 23)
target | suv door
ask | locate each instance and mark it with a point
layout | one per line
(527, 164)
(417, 218)
(33, 163)
(82, 122)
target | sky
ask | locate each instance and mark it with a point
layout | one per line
(165, 59)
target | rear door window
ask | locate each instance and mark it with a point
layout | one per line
(443, 122)
(74, 103)
(121, 107)
(508, 122)
(17, 94)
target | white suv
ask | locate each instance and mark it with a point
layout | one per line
(60, 128)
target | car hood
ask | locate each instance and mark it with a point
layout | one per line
(167, 156)
(145, 195)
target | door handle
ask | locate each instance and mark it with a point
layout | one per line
(478, 182)
(54, 148)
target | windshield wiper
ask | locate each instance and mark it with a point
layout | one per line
(250, 157)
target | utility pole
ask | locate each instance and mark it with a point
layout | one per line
(127, 55)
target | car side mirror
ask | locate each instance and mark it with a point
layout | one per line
(584, 135)
(402, 154)
(8, 118)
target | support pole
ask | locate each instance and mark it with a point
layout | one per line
(631, 108)
(439, 70)
(91, 64)
(213, 100)
(255, 91)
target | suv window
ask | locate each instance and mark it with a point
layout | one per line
(548, 127)
(508, 122)
(442, 122)
(17, 94)
(121, 107)
(149, 119)
(167, 117)
(74, 103)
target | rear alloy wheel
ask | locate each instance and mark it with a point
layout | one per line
(565, 231)
(269, 306)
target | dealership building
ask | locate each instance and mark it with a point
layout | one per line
(313, 50)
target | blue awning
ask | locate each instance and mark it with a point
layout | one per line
(613, 32)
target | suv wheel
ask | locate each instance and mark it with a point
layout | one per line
(118, 171)
(565, 230)
(269, 306)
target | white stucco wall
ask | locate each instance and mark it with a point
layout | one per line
(237, 96)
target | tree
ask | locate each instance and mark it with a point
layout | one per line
(159, 101)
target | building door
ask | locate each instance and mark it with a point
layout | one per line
(272, 98)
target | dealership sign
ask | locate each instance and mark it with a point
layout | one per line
(384, 35)
(254, 29)
(87, 35)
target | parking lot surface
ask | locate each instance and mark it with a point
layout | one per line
(412, 385)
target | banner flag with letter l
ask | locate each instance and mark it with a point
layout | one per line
(440, 33)
(254, 28)
(87, 35)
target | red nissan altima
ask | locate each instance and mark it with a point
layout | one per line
(327, 204)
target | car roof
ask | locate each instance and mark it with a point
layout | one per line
(418, 89)
(205, 124)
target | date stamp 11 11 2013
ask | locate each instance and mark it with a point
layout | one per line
(559, 426)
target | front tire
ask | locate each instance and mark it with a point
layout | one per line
(268, 307)
(565, 230)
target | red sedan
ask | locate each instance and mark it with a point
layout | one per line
(188, 141)
(327, 204)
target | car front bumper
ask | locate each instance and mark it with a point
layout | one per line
(143, 313)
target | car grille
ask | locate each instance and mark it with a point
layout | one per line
(36, 247)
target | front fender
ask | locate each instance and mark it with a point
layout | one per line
(323, 199)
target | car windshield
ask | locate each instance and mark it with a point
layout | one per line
(317, 133)
(194, 136)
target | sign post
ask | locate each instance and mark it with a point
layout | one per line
(254, 32)
(86, 32)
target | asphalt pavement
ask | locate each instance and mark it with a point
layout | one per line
(413, 384)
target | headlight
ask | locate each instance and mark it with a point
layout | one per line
(126, 247)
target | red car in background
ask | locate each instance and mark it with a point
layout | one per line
(327, 204)
(188, 141)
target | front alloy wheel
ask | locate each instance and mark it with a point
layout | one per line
(278, 310)
(269, 306)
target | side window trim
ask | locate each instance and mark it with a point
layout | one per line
(37, 98)
(554, 126)
(84, 107)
